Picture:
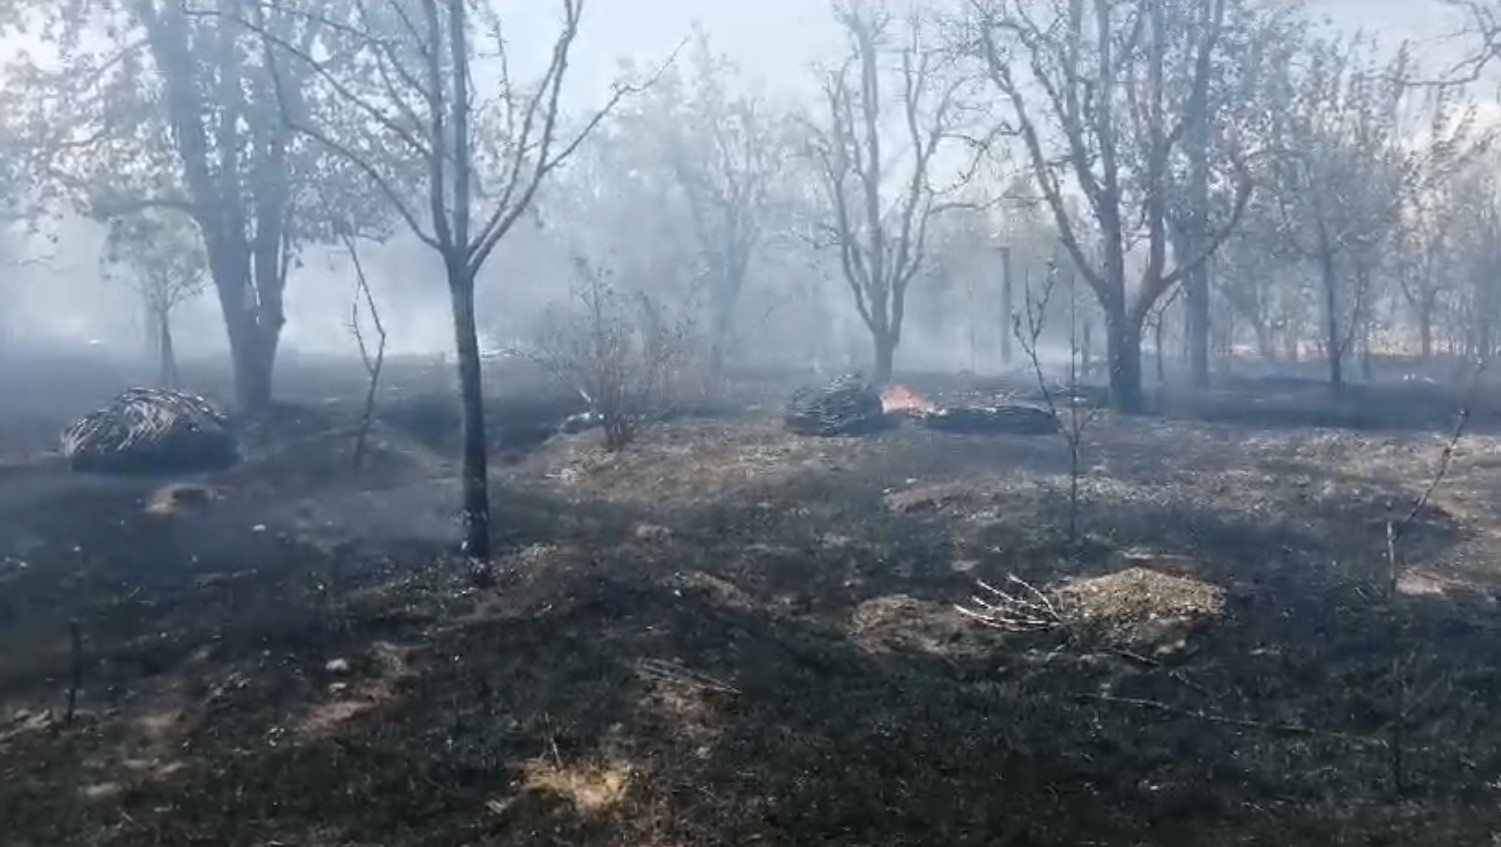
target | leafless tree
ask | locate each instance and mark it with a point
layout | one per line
(1028, 327)
(373, 360)
(725, 151)
(1344, 171)
(162, 257)
(624, 351)
(1090, 87)
(405, 113)
(1475, 241)
(882, 202)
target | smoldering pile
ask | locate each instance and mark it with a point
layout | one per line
(978, 420)
(851, 406)
(150, 430)
(847, 406)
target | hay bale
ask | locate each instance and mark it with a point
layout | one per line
(847, 406)
(147, 430)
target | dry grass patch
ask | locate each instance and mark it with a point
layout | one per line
(899, 622)
(592, 789)
(1143, 608)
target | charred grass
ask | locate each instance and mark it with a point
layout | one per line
(732, 636)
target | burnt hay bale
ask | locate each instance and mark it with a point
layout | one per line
(847, 406)
(147, 430)
(981, 420)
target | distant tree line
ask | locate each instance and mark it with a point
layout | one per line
(1316, 194)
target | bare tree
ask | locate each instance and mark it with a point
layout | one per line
(882, 203)
(1089, 88)
(374, 361)
(1344, 171)
(1028, 327)
(1425, 243)
(1476, 242)
(623, 350)
(405, 113)
(162, 257)
(725, 151)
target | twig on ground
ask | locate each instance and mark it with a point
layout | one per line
(1210, 717)
(75, 675)
(1136, 658)
(1013, 612)
(678, 674)
(552, 742)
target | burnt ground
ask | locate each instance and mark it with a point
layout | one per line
(731, 635)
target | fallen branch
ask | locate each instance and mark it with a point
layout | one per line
(75, 674)
(673, 672)
(1245, 723)
(1013, 612)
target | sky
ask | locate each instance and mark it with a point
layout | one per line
(779, 40)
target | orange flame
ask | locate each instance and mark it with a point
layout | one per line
(900, 398)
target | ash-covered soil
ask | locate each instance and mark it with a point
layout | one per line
(732, 635)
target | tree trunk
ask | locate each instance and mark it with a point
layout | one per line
(1086, 350)
(719, 347)
(1196, 324)
(1125, 363)
(1332, 341)
(476, 473)
(166, 374)
(252, 366)
(1157, 342)
(1006, 307)
(252, 345)
(1266, 344)
(885, 344)
(1425, 328)
(1197, 139)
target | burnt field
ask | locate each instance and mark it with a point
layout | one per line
(732, 635)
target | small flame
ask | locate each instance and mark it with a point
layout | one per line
(900, 398)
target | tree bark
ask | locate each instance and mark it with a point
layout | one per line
(476, 472)
(167, 375)
(1125, 363)
(1196, 323)
(1196, 282)
(885, 349)
(1157, 344)
(1425, 328)
(1333, 343)
(1266, 343)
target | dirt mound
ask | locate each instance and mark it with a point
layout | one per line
(1143, 608)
